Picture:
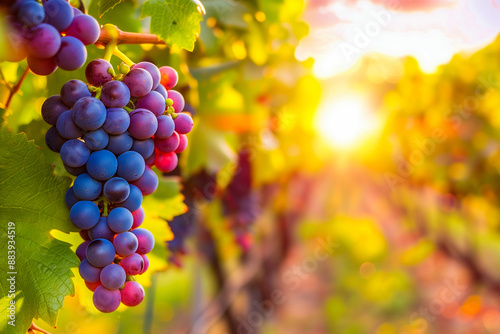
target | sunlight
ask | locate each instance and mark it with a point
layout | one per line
(345, 122)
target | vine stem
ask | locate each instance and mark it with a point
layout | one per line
(123, 57)
(34, 328)
(125, 37)
(16, 88)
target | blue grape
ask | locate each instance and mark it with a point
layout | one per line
(89, 272)
(143, 124)
(106, 300)
(100, 252)
(52, 108)
(85, 28)
(117, 121)
(166, 127)
(125, 243)
(86, 188)
(167, 145)
(116, 190)
(67, 127)
(101, 230)
(183, 123)
(31, 13)
(84, 214)
(153, 102)
(41, 66)
(134, 200)
(120, 143)
(162, 90)
(74, 153)
(145, 239)
(148, 182)
(43, 41)
(133, 264)
(113, 276)
(120, 220)
(58, 13)
(178, 100)
(132, 294)
(70, 198)
(115, 94)
(74, 90)
(143, 147)
(152, 70)
(75, 170)
(97, 72)
(96, 140)
(139, 82)
(82, 249)
(71, 55)
(53, 140)
(89, 113)
(130, 165)
(102, 165)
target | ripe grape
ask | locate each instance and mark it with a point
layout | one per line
(177, 99)
(52, 108)
(183, 142)
(84, 214)
(74, 153)
(132, 294)
(139, 82)
(169, 77)
(100, 253)
(183, 123)
(101, 230)
(134, 200)
(102, 165)
(133, 264)
(120, 143)
(166, 127)
(115, 94)
(143, 147)
(148, 182)
(96, 140)
(86, 188)
(153, 102)
(116, 190)
(138, 217)
(89, 272)
(31, 13)
(130, 165)
(67, 127)
(166, 162)
(146, 240)
(97, 72)
(112, 276)
(53, 140)
(152, 70)
(70, 198)
(89, 113)
(106, 300)
(117, 121)
(41, 66)
(167, 145)
(43, 41)
(71, 55)
(143, 124)
(125, 243)
(72, 91)
(162, 90)
(120, 220)
(81, 250)
(85, 28)
(58, 13)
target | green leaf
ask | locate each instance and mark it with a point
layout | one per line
(105, 5)
(174, 21)
(32, 198)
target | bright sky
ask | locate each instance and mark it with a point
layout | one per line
(432, 31)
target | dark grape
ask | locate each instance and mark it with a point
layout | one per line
(139, 82)
(167, 145)
(67, 127)
(120, 143)
(153, 102)
(43, 41)
(125, 243)
(162, 90)
(112, 276)
(75, 170)
(106, 300)
(117, 121)
(82, 249)
(86, 188)
(89, 272)
(84, 214)
(72, 91)
(92, 286)
(166, 127)
(41, 66)
(102, 165)
(115, 94)
(116, 190)
(130, 165)
(74, 153)
(58, 13)
(52, 108)
(101, 230)
(152, 70)
(133, 264)
(70, 198)
(97, 72)
(85, 28)
(89, 113)
(134, 200)
(53, 140)
(96, 140)
(71, 55)
(120, 220)
(143, 147)
(148, 182)
(183, 123)
(145, 239)
(31, 13)
(100, 252)
(143, 124)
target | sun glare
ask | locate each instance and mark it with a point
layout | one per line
(345, 122)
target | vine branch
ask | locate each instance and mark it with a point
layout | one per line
(14, 89)
(125, 37)
(35, 329)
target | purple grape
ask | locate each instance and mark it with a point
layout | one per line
(146, 240)
(75, 170)
(183, 123)
(96, 140)
(97, 72)
(74, 90)
(58, 13)
(133, 264)
(138, 217)
(139, 82)
(113, 276)
(53, 140)
(130, 166)
(152, 70)
(52, 108)
(89, 113)
(162, 90)
(84, 214)
(146, 264)
(115, 94)
(116, 190)
(74, 153)
(177, 99)
(106, 300)
(89, 272)
(100, 252)
(143, 124)
(148, 182)
(167, 145)
(81, 250)
(85, 28)
(134, 200)
(70, 198)
(43, 41)
(183, 142)
(86, 188)
(125, 243)
(117, 121)
(31, 13)
(71, 55)
(153, 102)
(41, 66)
(67, 127)
(101, 230)
(166, 127)
(102, 165)
(132, 294)
(143, 147)
(76, 12)
(150, 160)
(120, 143)
(120, 220)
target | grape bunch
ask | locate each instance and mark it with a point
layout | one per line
(51, 35)
(110, 133)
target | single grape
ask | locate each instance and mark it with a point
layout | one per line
(146, 240)
(85, 28)
(152, 70)
(153, 102)
(134, 200)
(183, 123)
(53, 140)
(89, 272)
(92, 286)
(86, 188)
(74, 153)
(143, 124)
(167, 145)
(42, 66)
(169, 77)
(81, 250)
(130, 165)
(30, 13)
(120, 143)
(115, 94)
(58, 13)
(143, 147)
(74, 90)
(117, 121)
(166, 162)
(102, 165)
(139, 82)
(138, 217)
(177, 99)
(133, 264)
(146, 263)
(72, 54)
(183, 142)
(116, 190)
(67, 127)
(70, 198)
(120, 220)
(52, 108)
(132, 294)
(84, 214)
(166, 127)
(101, 230)
(125, 243)
(96, 140)
(100, 252)
(113, 276)
(162, 90)
(97, 72)
(75, 170)
(89, 113)
(106, 300)
(43, 41)
(148, 182)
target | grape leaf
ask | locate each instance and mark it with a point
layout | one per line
(105, 5)
(32, 198)
(174, 21)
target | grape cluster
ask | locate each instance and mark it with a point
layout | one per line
(51, 35)
(109, 134)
